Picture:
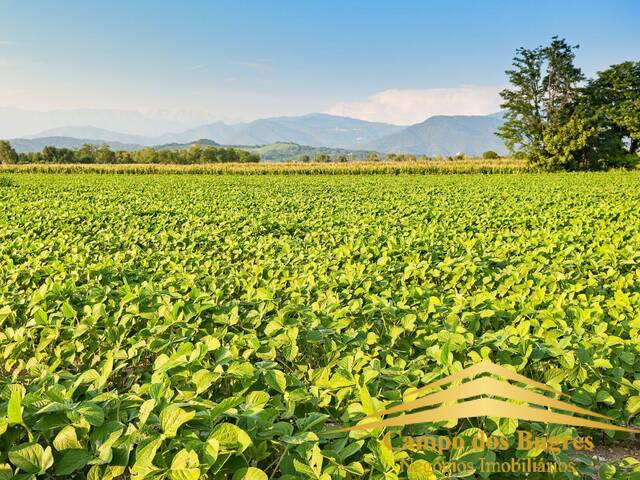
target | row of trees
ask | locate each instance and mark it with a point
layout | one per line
(371, 157)
(558, 119)
(389, 157)
(103, 154)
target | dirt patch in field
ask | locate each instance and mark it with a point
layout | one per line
(616, 451)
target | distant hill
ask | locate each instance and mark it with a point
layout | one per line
(274, 152)
(438, 135)
(23, 145)
(94, 133)
(445, 135)
(203, 142)
(21, 123)
(279, 151)
(316, 129)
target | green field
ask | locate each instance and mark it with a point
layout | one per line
(179, 327)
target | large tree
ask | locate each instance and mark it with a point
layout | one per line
(544, 93)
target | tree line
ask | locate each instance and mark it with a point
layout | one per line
(557, 119)
(389, 157)
(370, 157)
(104, 155)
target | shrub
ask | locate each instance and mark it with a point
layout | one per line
(490, 155)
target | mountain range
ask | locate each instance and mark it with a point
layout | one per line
(437, 135)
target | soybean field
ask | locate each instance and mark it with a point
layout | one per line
(186, 326)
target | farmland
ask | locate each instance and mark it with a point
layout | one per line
(174, 326)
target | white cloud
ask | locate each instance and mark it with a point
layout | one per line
(405, 107)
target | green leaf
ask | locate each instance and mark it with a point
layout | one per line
(92, 413)
(582, 397)
(67, 310)
(605, 397)
(172, 418)
(633, 404)
(231, 437)
(6, 472)
(4, 313)
(276, 380)
(303, 469)
(385, 455)
(203, 379)
(145, 410)
(14, 409)
(146, 452)
(72, 460)
(210, 452)
(607, 472)
(368, 405)
(250, 473)
(602, 363)
(31, 458)
(185, 466)
(66, 438)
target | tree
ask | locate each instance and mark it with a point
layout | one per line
(7, 153)
(86, 154)
(104, 154)
(490, 155)
(543, 97)
(614, 97)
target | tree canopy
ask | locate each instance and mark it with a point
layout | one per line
(103, 154)
(557, 121)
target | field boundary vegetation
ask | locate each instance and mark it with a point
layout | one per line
(483, 166)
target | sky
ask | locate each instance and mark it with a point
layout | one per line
(196, 61)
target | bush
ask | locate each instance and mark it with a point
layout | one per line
(490, 155)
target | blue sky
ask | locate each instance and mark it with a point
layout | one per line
(382, 60)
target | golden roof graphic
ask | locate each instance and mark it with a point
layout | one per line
(492, 407)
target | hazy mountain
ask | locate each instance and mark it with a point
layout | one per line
(316, 129)
(94, 133)
(37, 144)
(445, 135)
(217, 131)
(438, 135)
(16, 122)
